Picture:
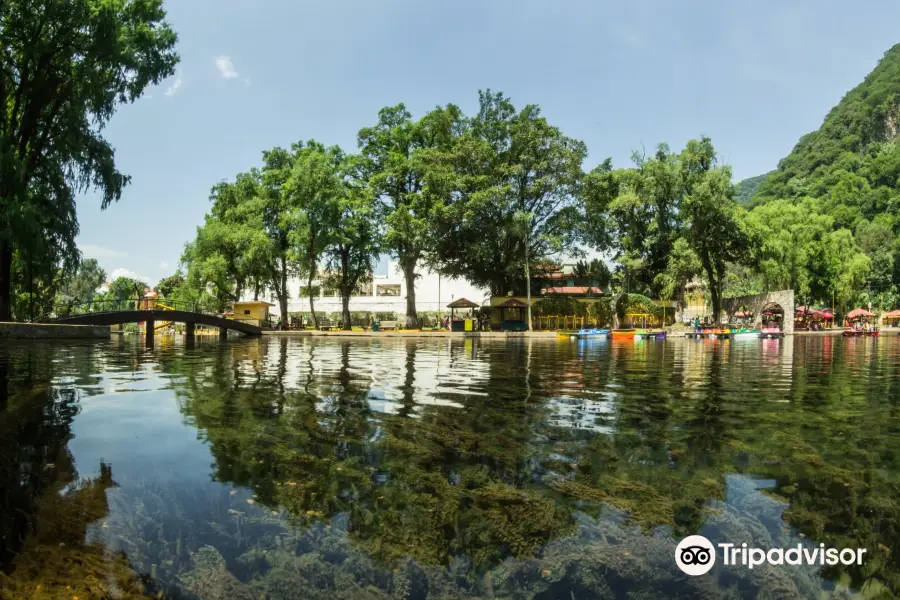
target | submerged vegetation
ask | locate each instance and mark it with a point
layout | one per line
(520, 482)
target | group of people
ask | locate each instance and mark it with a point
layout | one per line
(860, 325)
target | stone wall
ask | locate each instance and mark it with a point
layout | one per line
(41, 331)
(784, 298)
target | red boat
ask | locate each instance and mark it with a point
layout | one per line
(860, 333)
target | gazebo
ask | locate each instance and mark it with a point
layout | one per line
(460, 325)
(858, 313)
(519, 324)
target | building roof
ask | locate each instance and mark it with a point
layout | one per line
(574, 290)
(556, 275)
(254, 302)
(462, 303)
(512, 303)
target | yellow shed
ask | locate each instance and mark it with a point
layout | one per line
(255, 312)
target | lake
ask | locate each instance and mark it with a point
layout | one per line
(444, 468)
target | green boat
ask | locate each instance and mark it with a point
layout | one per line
(744, 334)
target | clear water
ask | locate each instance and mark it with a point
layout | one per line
(444, 468)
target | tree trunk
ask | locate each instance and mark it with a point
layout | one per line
(345, 311)
(282, 293)
(713, 289)
(615, 309)
(346, 288)
(5, 281)
(409, 273)
(528, 286)
(309, 292)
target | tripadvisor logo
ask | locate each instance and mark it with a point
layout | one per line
(695, 555)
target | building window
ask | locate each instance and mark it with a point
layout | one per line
(363, 289)
(387, 289)
(246, 311)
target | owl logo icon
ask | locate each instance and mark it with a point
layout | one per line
(695, 555)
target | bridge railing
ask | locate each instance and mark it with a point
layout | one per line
(73, 309)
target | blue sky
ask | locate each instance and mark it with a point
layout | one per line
(619, 75)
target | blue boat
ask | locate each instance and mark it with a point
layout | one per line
(582, 334)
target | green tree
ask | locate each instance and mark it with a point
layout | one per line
(682, 268)
(281, 217)
(168, 285)
(125, 292)
(82, 286)
(714, 224)
(395, 168)
(633, 213)
(231, 251)
(594, 273)
(354, 241)
(64, 67)
(314, 190)
(511, 196)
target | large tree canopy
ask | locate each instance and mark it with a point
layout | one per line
(314, 190)
(395, 165)
(64, 67)
(669, 219)
(510, 186)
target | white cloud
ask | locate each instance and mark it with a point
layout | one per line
(163, 265)
(176, 85)
(226, 67)
(123, 272)
(92, 251)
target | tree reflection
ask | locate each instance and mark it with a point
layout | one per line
(45, 509)
(480, 468)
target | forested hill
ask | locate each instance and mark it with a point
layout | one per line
(829, 216)
(855, 138)
(746, 189)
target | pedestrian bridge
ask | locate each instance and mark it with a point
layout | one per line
(153, 316)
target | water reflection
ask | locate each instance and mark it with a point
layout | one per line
(445, 468)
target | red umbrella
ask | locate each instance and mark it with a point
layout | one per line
(859, 312)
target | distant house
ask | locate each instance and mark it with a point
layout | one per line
(562, 280)
(253, 312)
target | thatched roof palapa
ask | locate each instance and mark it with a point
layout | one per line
(462, 303)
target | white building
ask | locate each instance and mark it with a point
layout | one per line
(387, 293)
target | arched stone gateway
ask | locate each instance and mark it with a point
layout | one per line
(758, 303)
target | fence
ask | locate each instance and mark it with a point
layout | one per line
(74, 309)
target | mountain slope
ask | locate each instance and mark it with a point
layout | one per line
(829, 216)
(745, 190)
(866, 116)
